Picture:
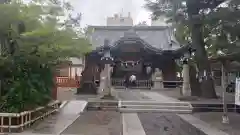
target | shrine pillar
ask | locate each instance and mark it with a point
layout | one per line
(157, 80)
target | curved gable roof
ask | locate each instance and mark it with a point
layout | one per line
(159, 37)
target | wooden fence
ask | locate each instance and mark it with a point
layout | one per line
(67, 82)
(16, 122)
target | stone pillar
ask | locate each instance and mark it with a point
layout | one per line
(186, 90)
(108, 79)
(102, 83)
(157, 80)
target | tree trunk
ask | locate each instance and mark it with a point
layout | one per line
(207, 84)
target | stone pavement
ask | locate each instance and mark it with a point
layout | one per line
(175, 93)
(96, 123)
(57, 123)
(129, 94)
(215, 118)
(132, 125)
(171, 122)
(71, 121)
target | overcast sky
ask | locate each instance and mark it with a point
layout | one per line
(95, 12)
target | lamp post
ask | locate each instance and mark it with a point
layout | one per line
(107, 60)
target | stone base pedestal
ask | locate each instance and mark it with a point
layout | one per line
(157, 85)
(87, 88)
(186, 89)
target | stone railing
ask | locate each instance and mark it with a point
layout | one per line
(17, 122)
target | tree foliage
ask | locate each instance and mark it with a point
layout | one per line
(220, 22)
(211, 26)
(34, 38)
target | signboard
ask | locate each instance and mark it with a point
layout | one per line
(237, 91)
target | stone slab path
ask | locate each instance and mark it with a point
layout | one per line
(96, 123)
(132, 125)
(57, 123)
(123, 94)
(158, 97)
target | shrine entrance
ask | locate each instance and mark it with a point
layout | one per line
(129, 59)
(131, 55)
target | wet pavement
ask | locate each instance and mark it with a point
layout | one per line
(57, 123)
(130, 95)
(96, 123)
(166, 124)
(215, 119)
(73, 120)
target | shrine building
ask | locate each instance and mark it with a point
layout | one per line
(137, 50)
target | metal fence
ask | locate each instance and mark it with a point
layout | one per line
(145, 84)
(140, 84)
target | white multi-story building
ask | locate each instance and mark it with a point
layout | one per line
(119, 20)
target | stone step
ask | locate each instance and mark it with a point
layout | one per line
(131, 110)
(156, 107)
(153, 103)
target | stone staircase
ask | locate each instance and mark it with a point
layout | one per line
(154, 106)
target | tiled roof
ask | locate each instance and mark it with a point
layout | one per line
(158, 37)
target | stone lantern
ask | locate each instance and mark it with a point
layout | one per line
(186, 89)
(107, 60)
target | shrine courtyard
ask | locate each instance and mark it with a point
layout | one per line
(74, 119)
(102, 105)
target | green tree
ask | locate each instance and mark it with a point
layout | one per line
(35, 37)
(207, 24)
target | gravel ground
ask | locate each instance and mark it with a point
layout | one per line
(215, 119)
(96, 123)
(166, 124)
(131, 95)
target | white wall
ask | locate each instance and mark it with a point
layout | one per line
(76, 70)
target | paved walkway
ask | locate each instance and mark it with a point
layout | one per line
(215, 119)
(158, 97)
(129, 94)
(175, 93)
(157, 123)
(71, 120)
(56, 124)
(132, 125)
(96, 123)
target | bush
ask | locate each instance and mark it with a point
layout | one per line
(26, 84)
